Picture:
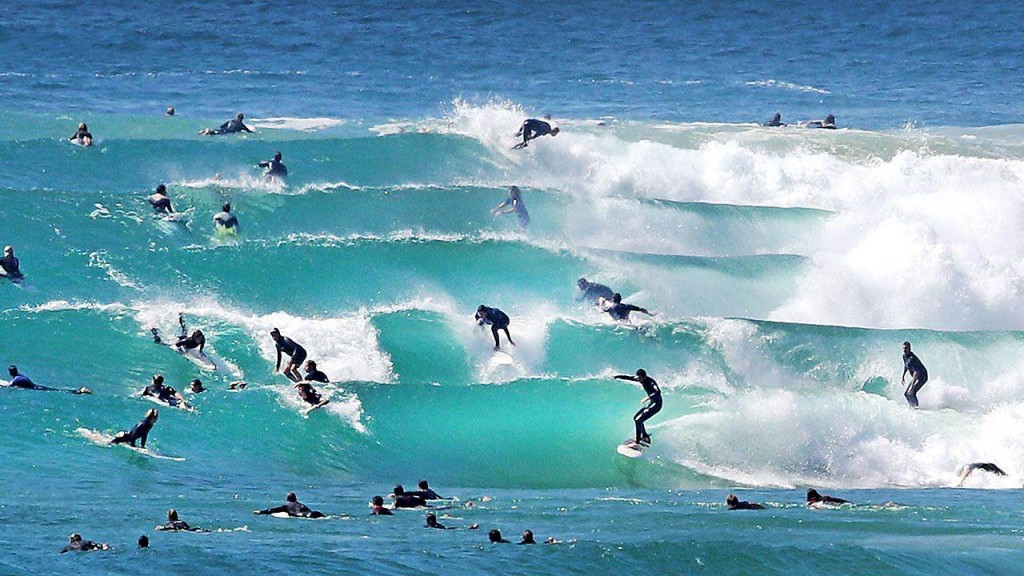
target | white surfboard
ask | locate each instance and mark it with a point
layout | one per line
(631, 449)
(501, 358)
(160, 402)
(319, 405)
(101, 439)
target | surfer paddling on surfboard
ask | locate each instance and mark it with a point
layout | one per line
(160, 202)
(19, 380)
(292, 507)
(165, 394)
(82, 136)
(652, 404)
(498, 321)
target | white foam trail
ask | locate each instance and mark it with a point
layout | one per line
(772, 83)
(345, 406)
(67, 305)
(241, 180)
(99, 260)
(300, 124)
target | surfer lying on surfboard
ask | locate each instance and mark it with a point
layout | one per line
(21, 381)
(141, 431)
(652, 403)
(291, 507)
(165, 394)
(310, 396)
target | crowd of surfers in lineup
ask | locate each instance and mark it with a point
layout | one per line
(599, 295)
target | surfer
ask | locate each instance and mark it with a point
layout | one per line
(141, 431)
(19, 380)
(314, 375)
(829, 123)
(533, 128)
(10, 265)
(76, 544)
(966, 470)
(309, 394)
(296, 355)
(176, 525)
(498, 321)
(432, 522)
(494, 537)
(292, 507)
(514, 203)
(775, 122)
(407, 500)
(617, 309)
(527, 537)
(82, 136)
(196, 341)
(652, 403)
(229, 127)
(918, 374)
(196, 386)
(143, 541)
(735, 503)
(225, 219)
(160, 202)
(426, 493)
(813, 498)
(164, 394)
(592, 292)
(275, 168)
(377, 507)
(170, 111)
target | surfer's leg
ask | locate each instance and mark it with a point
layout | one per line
(509, 336)
(911, 392)
(494, 332)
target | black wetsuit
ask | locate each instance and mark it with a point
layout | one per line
(297, 509)
(653, 406)
(165, 394)
(496, 318)
(427, 494)
(160, 203)
(987, 467)
(595, 291)
(226, 219)
(274, 168)
(317, 376)
(744, 505)
(178, 525)
(309, 394)
(11, 266)
(621, 310)
(22, 381)
(230, 127)
(918, 375)
(409, 500)
(80, 134)
(292, 349)
(533, 128)
(138, 434)
(82, 546)
(190, 342)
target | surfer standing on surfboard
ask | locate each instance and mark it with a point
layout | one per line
(652, 406)
(296, 355)
(498, 321)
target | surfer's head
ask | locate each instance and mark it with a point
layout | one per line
(12, 370)
(423, 485)
(641, 373)
(399, 490)
(197, 385)
(277, 156)
(170, 111)
(906, 347)
(291, 497)
(616, 298)
(813, 496)
(76, 537)
(275, 334)
(239, 116)
(830, 119)
(377, 501)
(528, 537)
(82, 126)
(431, 520)
(9, 250)
(554, 131)
(494, 535)
(731, 501)
(161, 190)
(514, 192)
(172, 515)
(226, 207)
(310, 366)
(158, 379)
(777, 117)
(582, 283)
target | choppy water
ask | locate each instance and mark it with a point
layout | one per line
(785, 267)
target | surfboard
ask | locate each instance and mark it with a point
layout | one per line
(502, 359)
(81, 142)
(316, 406)
(101, 439)
(630, 449)
(160, 402)
(193, 355)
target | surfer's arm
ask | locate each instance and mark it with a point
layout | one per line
(247, 129)
(626, 377)
(274, 510)
(277, 367)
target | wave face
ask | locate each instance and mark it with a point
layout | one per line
(784, 268)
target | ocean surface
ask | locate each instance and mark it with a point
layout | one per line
(784, 268)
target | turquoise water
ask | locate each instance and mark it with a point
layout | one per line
(784, 267)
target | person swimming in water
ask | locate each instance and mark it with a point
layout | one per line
(592, 292)
(10, 265)
(776, 121)
(140, 433)
(652, 404)
(314, 375)
(229, 127)
(292, 507)
(19, 380)
(533, 128)
(296, 355)
(966, 470)
(918, 374)
(815, 499)
(498, 321)
(76, 544)
(735, 503)
(514, 203)
(494, 537)
(426, 492)
(829, 123)
(82, 136)
(407, 500)
(275, 168)
(160, 202)
(432, 522)
(527, 537)
(164, 394)
(225, 219)
(196, 386)
(176, 525)
(170, 111)
(619, 311)
(377, 507)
